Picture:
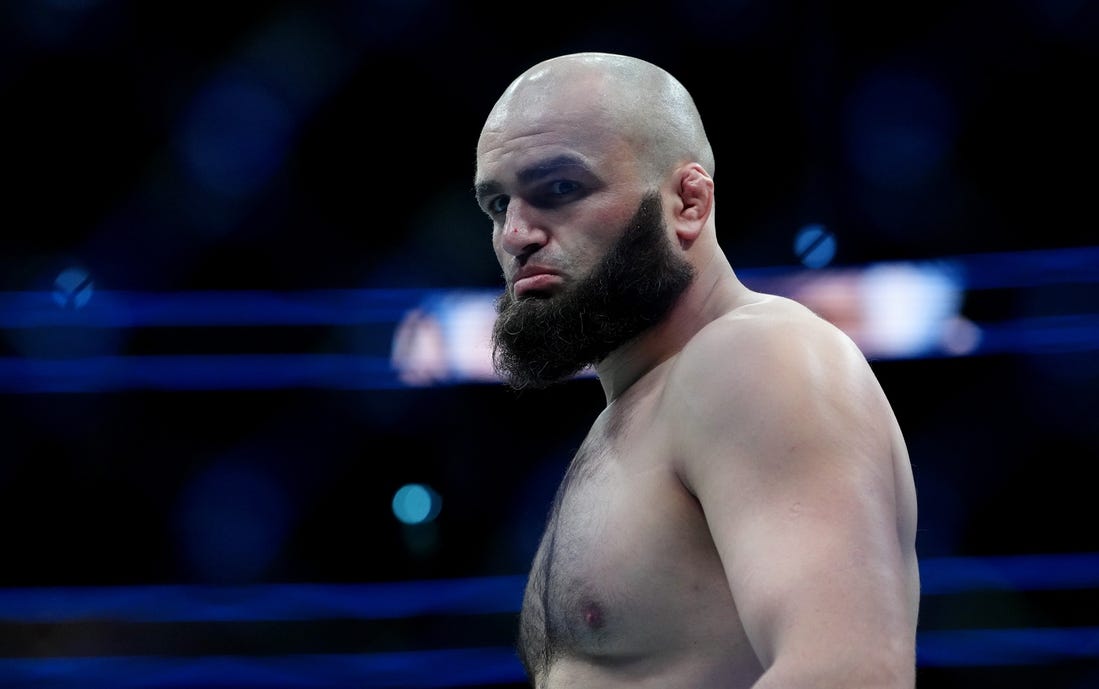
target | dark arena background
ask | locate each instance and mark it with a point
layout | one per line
(250, 434)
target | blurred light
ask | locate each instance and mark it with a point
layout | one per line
(1041, 572)
(447, 337)
(960, 337)
(907, 307)
(815, 246)
(464, 667)
(890, 310)
(336, 307)
(1000, 647)
(236, 136)
(197, 372)
(900, 128)
(232, 520)
(416, 503)
(452, 667)
(263, 602)
(421, 539)
(464, 596)
(73, 288)
(1042, 335)
(443, 336)
(116, 309)
(1021, 269)
(301, 55)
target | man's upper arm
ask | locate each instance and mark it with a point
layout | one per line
(787, 442)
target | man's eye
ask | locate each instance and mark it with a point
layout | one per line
(562, 187)
(498, 205)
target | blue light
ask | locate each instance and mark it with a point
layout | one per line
(73, 288)
(236, 136)
(197, 372)
(1045, 572)
(120, 309)
(815, 246)
(416, 503)
(900, 129)
(470, 596)
(52, 362)
(484, 666)
(458, 667)
(1000, 647)
(232, 520)
(263, 602)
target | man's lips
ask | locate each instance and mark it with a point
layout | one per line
(534, 281)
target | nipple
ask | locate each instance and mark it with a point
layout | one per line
(592, 615)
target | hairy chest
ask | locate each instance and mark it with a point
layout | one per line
(625, 567)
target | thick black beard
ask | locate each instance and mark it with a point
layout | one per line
(538, 341)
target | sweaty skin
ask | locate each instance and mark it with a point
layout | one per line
(742, 512)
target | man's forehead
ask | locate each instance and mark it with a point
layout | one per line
(525, 164)
(523, 136)
(542, 119)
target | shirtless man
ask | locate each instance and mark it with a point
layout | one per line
(742, 512)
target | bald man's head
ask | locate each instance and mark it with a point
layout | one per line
(638, 100)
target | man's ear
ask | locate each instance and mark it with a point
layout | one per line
(695, 196)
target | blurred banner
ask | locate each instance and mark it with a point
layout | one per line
(75, 338)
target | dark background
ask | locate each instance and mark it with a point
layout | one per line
(175, 148)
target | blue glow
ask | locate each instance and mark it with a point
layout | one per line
(436, 668)
(232, 520)
(478, 595)
(991, 647)
(114, 309)
(472, 666)
(1054, 571)
(416, 503)
(900, 129)
(353, 306)
(355, 372)
(236, 136)
(54, 362)
(1030, 268)
(1048, 334)
(815, 246)
(264, 602)
(73, 288)
(197, 372)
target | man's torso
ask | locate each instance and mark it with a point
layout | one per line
(627, 588)
(626, 583)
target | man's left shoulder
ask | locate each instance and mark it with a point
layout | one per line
(770, 357)
(771, 333)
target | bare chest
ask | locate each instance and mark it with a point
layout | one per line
(626, 568)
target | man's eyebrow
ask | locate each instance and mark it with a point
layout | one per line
(544, 168)
(483, 189)
(531, 174)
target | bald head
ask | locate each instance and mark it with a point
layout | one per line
(634, 99)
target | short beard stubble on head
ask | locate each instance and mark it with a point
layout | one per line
(538, 341)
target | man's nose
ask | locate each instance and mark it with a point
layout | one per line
(523, 233)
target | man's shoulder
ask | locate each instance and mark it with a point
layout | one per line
(763, 326)
(752, 371)
(769, 346)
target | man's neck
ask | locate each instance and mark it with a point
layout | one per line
(713, 292)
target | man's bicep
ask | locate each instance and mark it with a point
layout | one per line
(815, 567)
(793, 470)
